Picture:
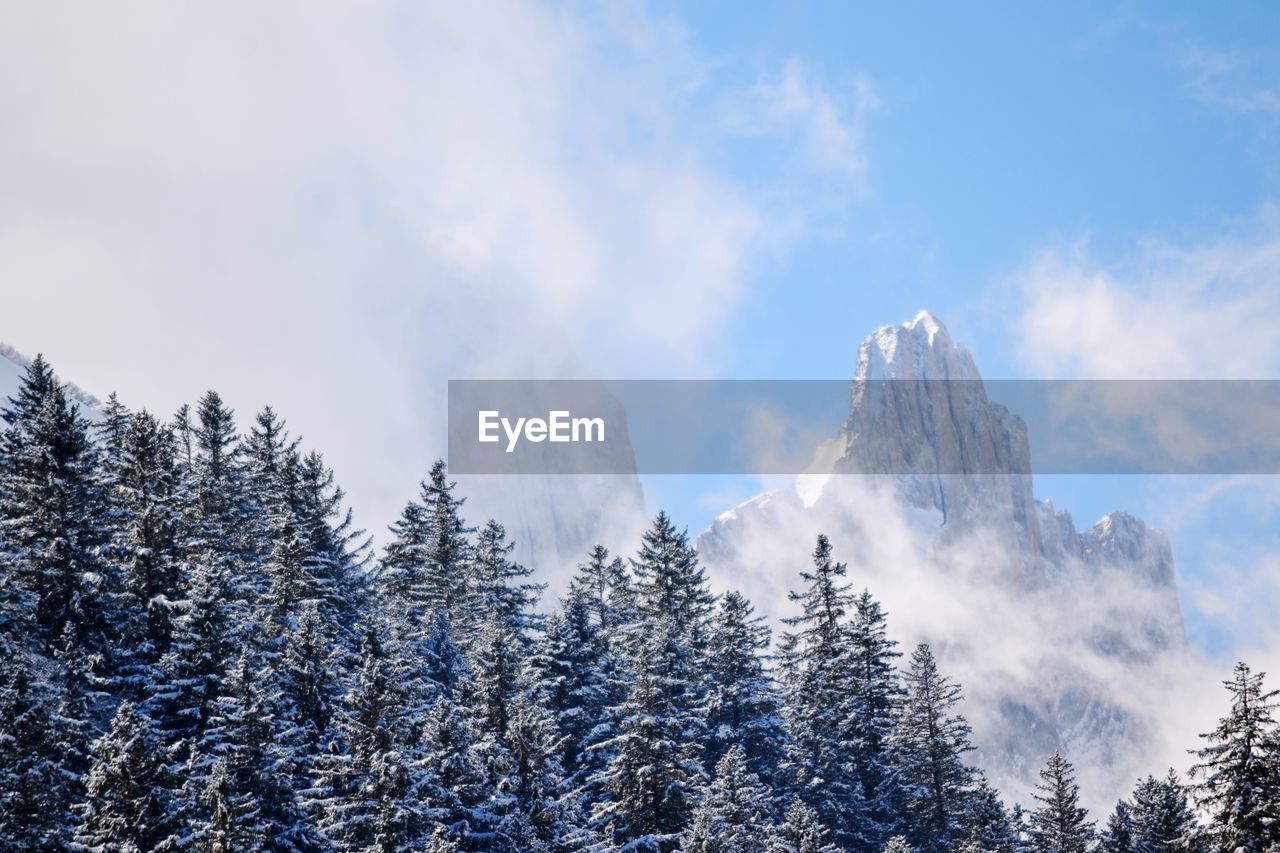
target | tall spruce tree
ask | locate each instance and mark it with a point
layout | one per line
(732, 816)
(744, 709)
(818, 680)
(454, 789)
(930, 746)
(654, 768)
(1238, 774)
(189, 675)
(875, 700)
(52, 513)
(222, 531)
(146, 507)
(801, 831)
(654, 771)
(373, 720)
(987, 823)
(37, 789)
(1117, 837)
(425, 571)
(570, 677)
(500, 584)
(1161, 819)
(606, 587)
(1058, 823)
(259, 768)
(533, 778)
(126, 806)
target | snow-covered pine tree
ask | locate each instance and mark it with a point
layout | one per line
(930, 746)
(579, 670)
(569, 677)
(258, 767)
(189, 676)
(443, 665)
(262, 454)
(876, 696)
(287, 560)
(496, 682)
(185, 436)
(424, 572)
(370, 720)
(606, 588)
(670, 586)
(817, 679)
(397, 821)
(744, 709)
(1117, 837)
(109, 433)
(221, 529)
(988, 825)
(146, 511)
(533, 779)
(501, 585)
(224, 831)
(454, 790)
(36, 792)
(305, 682)
(733, 815)
(339, 551)
(1162, 820)
(898, 844)
(126, 805)
(52, 514)
(215, 472)
(1059, 824)
(654, 769)
(1238, 774)
(801, 831)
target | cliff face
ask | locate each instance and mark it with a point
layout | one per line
(1088, 611)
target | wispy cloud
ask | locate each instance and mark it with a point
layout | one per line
(1004, 643)
(1223, 79)
(1167, 311)
(827, 125)
(336, 207)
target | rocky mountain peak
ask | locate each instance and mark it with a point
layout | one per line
(920, 348)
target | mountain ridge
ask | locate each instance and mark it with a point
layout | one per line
(1096, 607)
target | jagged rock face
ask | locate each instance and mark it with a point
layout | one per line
(1101, 603)
(919, 414)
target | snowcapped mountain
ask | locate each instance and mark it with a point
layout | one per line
(944, 526)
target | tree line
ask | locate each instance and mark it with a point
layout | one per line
(198, 651)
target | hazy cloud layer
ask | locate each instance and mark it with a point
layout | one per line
(335, 207)
(1167, 312)
(995, 637)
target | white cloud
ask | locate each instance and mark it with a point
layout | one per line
(334, 207)
(1220, 79)
(827, 125)
(1002, 642)
(1169, 312)
(1199, 311)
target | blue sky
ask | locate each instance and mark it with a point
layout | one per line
(335, 208)
(997, 133)
(994, 135)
